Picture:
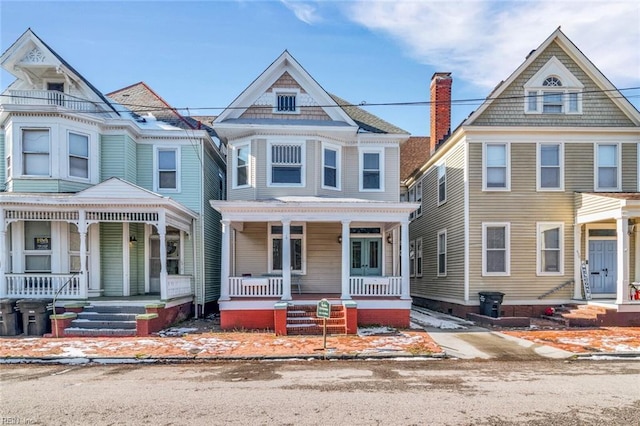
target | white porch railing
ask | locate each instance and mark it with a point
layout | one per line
(375, 286)
(43, 286)
(178, 286)
(50, 97)
(255, 287)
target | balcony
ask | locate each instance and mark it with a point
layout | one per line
(51, 97)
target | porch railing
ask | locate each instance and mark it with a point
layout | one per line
(255, 287)
(178, 286)
(375, 286)
(43, 286)
(50, 97)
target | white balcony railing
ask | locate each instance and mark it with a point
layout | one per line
(178, 286)
(375, 286)
(43, 286)
(51, 97)
(255, 287)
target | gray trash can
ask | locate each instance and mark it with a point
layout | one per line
(490, 302)
(10, 324)
(35, 316)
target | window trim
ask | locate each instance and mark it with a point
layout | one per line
(596, 167)
(303, 168)
(338, 150)
(442, 166)
(271, 236)
(380, 152)
(507, 166)
(234, 174)
(419, 189)
(507, 236)
(539, 166)
(285, 92)
(156, 168)
(440, 273)
(69, 155)
(411, 197)
(543, 226)
(412, 258)
(419, 257)
(22, 152)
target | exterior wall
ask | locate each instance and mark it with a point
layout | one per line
(3, 162)
(324, 257)
(45, 185)
(212, 228)
(136, 260)
(111, 258)
(597, 110)
(130, 162)
(144, 166)
(251, 249)
(449, 216)
(112, 156)
(630, 167)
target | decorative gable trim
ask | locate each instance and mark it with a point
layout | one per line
(554, 68)
(34, 56)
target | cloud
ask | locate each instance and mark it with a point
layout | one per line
(305, 12)
(484, 42)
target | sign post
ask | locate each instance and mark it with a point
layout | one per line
(324, 311)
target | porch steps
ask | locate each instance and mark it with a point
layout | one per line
(105, 321)
(302, 320)
(578, 315)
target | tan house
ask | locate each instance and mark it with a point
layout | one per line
(541, 178)
(313, 209)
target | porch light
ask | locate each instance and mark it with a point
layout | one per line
(339, 239)
(390, 238)
(132, 239)
(631, 227)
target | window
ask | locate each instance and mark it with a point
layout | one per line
(286, 164)
(371, 170)
(442, 184)
(607, 170)
(286, 102)
(37, 246)
(241, 167)
(532, 100)
(419, 198)
(167, 169)
(550, 243)
(442, 253)
(55, 93)
(331, 167)
(8, 173)
(78, 156)
(412, 258)
(495, 249)
(35, 152)
(496, 167)
(574, 102)
(419, 257)
(298, 252)
(552, 102)
(412, 199)
(550, 169)
(553, 89)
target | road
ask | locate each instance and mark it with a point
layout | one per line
(434, 392)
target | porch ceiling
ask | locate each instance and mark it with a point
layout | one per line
(598, 206)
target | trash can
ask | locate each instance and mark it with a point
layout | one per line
(10, 324)
(35, 316)
(490, 302)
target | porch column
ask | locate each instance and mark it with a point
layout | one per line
(622, 287)
(82, 230)
(3, 253)
(162, 232)
(224, 259)
(577, 261)
(286, 260)
(346, 293)
(404, 264)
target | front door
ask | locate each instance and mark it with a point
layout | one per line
(366, 256)
(602, 265)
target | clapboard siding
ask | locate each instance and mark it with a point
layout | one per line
(130, 161)
(136, 259)
(46, 185)
(629, 167)
(111, 258)
(324, 257)
(251, 249)
(144, 161)
(449, 216)
(212, 229)
(112, 162)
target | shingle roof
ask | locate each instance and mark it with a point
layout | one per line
(366, 120)
(413, 154)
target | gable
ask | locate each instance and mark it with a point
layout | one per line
(115, 188)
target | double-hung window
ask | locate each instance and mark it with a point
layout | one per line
(167, 162)
(297, 244)
(419, 257)
(442, 184)
(412, 199)
(286, 103)
(607, 167)
(37, 246)
(550, 247)
(442, 253)
(78, 155)
(495, 249)
(372, 170)
(241, 174)
(286, 164)
(419, 198)
(35, 152)
(330, 167)
(412, 258)
(550, 167)
(496, 170)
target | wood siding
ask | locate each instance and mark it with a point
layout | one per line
(45, 185)
(112, 162)
(111, 258)
(629, 167)
(212, 229)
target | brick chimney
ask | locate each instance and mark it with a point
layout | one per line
(440, 109)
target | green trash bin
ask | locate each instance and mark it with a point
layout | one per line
(490, 302)
(10, 324)
(35, 316)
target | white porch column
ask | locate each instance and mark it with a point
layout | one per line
(162, 232)
(225, 257)
(346, 292)
(577, 261)
(286, 260)
(622, 287)
(404, 247)
(82, 230)
(3, 254)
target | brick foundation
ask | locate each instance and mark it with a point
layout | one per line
(463, 311)
(247, 320)
(398, 318)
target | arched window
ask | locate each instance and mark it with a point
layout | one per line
(552, 82)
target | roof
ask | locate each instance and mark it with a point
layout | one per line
(413, 154)
(366, 120)
(631, 196)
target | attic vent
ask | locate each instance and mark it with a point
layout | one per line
(286, 102)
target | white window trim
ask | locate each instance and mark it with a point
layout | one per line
(411, 197)
(543, 226)
(22, 166)
(338, 150)
(538, 92)
(156, 171)
(270, 238)
(419, 255)
(79, 178)
(234, 172)
(618, 167)
(444, 167)
(412, 253)
(539, 188)
(284, 91)
(438, 273)
(507, 237)
(570, 84)
(419, 189)
(507, 154)
(380, 152)
(303, 168)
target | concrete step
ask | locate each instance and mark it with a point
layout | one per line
(98, 316)
(83, 323)
(98, 332)
(125, 309)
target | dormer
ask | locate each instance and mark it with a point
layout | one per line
(553, 90)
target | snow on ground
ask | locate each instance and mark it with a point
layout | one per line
(424, 318)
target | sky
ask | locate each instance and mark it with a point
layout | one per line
(200, 55)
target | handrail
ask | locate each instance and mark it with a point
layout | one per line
(553, 290)
(55, 296)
